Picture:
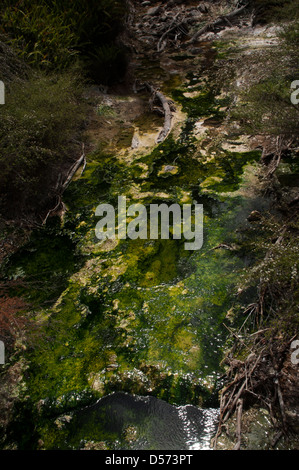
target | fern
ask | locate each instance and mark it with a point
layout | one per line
(53, 33)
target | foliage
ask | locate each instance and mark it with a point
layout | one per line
(275, 10)
(36, 137)
(53, 34)
(267, 325)
(12, 67)
(277, 255)
(266, 106)
(39, 35)
(267, 109)
(60, 41)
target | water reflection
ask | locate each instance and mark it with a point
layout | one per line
(143, 423)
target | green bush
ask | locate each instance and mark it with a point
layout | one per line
(43, 110)
(275, 270)
(275, 10)
(266, 106)
(39, 35)
(40, 119)
(267, 109)
(53, 34)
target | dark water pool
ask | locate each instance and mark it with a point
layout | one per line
(124, 421)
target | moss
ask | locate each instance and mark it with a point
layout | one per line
(204, 104)
(224, 49)
(45, 256)
(163, 330)
(140, 316)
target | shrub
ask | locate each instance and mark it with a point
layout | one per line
(274, 10)
(53, 34)
(266, 106)
(35, 137)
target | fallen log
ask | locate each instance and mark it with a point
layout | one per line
(166, 111)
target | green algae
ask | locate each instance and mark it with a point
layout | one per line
(204, 104)
(44, 258)
(140, 316)
(145, 312)
(224, 171)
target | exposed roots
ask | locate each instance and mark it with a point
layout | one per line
(263, 378)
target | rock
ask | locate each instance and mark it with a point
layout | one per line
(196, 51)
(254, 216)
(193, 14)
(135, 142)
(202, 7)
(153, 10)
(95, 445)
(168, 170)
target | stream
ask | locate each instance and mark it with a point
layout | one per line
(130, 334)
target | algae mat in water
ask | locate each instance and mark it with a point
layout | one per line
(138, 316)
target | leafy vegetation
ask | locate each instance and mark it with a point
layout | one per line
(36, 139)
(275, 272)
(274, 10)
(266, 107)
(268, 325)
(47, 48)
(51, 34)
(51, 42)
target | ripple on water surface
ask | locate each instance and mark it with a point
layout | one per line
(124, 421)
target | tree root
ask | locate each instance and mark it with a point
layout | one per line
(255, 380)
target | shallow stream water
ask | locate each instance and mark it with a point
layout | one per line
(131, 332)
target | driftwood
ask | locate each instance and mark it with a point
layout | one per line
(239, 423)
(60, 188)
(179, 26)
(166, 108)
(52, 210)
(256, 379)
(221, 19)
(231, 399)
(170, 22)
(73, 170)
(224, 246)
